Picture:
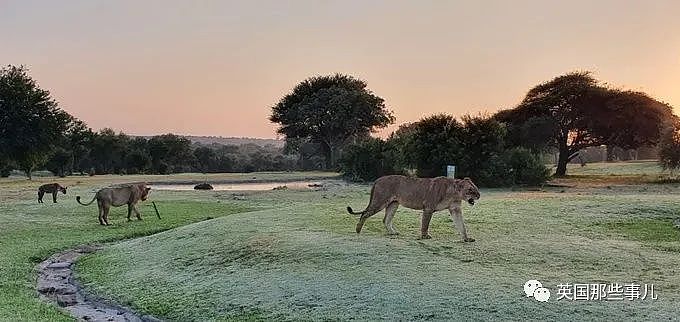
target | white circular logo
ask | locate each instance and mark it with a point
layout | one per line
(530, 286)
(542, 294)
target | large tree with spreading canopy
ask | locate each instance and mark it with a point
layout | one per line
(330, 111)
(575, 111)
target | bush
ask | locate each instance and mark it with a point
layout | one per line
(477, 146)
(5, 171)
(669, 150)
(515, 166)
(367, 160)
(525, 167)
(430, 144)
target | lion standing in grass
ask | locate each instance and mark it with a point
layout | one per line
(426, 194)
(128, 195)
(53, 188)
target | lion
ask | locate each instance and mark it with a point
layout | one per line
(129, 195)
(426, 194)
(52, 188)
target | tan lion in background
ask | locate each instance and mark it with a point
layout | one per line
(129, 195)
(426, 194)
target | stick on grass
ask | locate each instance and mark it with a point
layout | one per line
(156, 209)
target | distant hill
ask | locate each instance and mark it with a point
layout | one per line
(234, 141)
(230, 140)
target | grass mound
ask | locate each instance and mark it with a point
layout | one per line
(301, 260)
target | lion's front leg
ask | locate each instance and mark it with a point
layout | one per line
(130, 207)
(457, 216)
(139, 216)
(425, 224)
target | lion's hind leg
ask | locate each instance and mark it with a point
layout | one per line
(104, 214)
(389, 216)
(101, 213)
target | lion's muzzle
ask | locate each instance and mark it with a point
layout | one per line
(471, 201)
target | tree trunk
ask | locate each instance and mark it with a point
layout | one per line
(610, 153)
(334, 157)
(330, 152)
(326, 150)
(562, 160)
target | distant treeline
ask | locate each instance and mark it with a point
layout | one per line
(107, 152)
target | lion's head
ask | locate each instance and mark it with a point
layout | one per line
(62, 189)
(145, 193)
(470, 191)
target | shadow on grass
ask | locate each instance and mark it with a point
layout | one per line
(657, 233)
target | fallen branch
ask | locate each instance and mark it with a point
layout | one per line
(156, 209)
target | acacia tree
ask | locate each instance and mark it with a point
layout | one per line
(30, 120)
(580, 112)
(330, 110)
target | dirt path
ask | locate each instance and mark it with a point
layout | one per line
(57, 285)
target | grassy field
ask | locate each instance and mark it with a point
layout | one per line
(646, 168)
(294, 256)
(30, 232)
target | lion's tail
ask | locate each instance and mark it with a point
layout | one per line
(86, 204)
(349, 209)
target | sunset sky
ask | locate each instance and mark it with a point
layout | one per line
(216, 67)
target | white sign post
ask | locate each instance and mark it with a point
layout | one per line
(451, 171)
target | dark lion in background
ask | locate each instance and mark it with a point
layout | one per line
(129, 194)
(52, 188)
(426, 194)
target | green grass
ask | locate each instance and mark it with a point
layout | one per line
(297, 258)
(293, 255)
(646, 167)
(30, 232)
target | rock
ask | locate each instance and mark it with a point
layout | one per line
(59, 265)
(55, 283)
(46, 288)
(66, 300)
(149, 318)
(203, 186)
(280, 188)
